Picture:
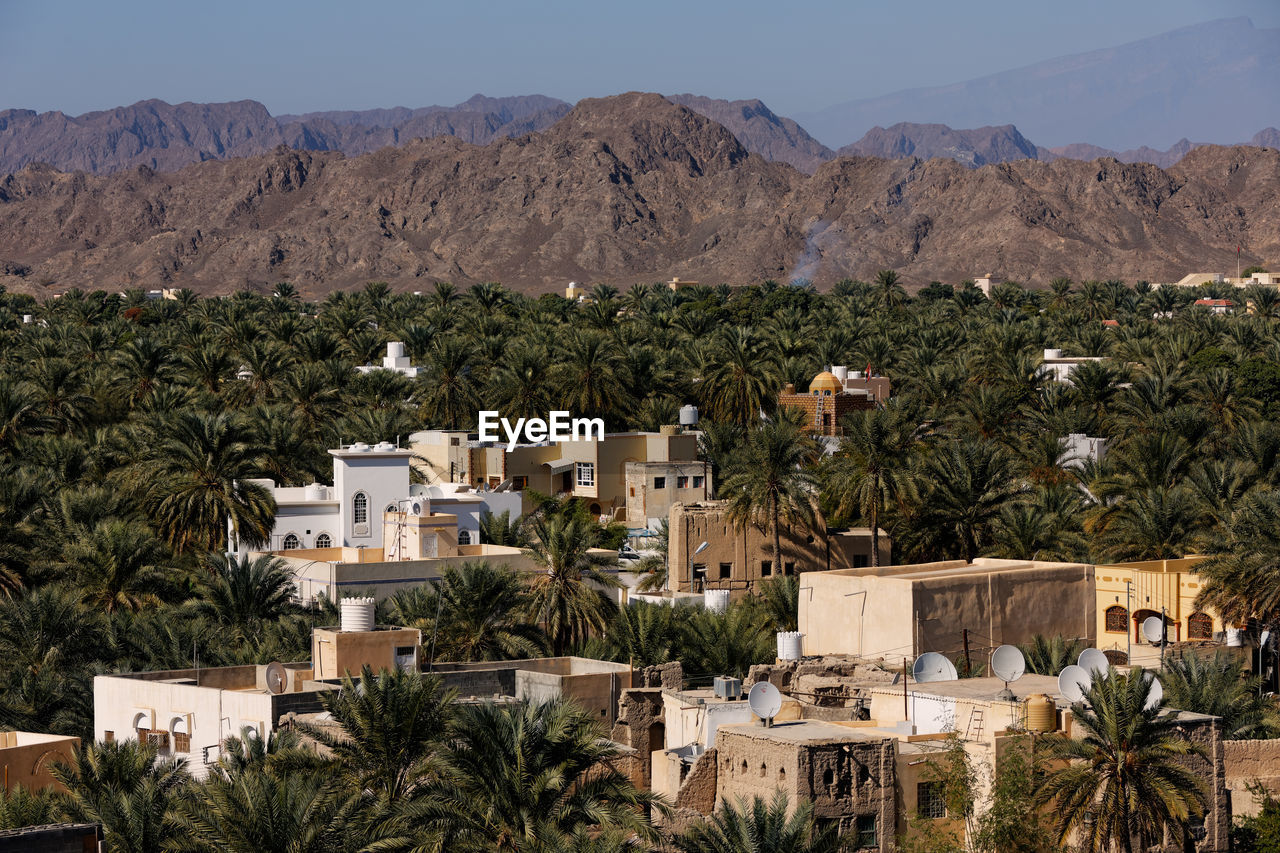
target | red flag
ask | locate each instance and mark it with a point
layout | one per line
(868, 370)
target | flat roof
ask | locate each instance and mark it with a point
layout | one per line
(806, 731)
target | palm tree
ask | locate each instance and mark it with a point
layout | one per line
(245, 594)
(569, 598)
(128, 788)
(1126, 779)
(1242, 580)
(972, 481)
(501, 529)
(472, 613)
(449, 398)
(642, 634)
(20, 807)
(890, 291)
(195, 477)
(512, 777)
(116, 566)
(391, 723)
(1050, 655)
(769, 482)
(872, 467)
(780, 597)
(727, 643)
(591, 381)
(259, 811)
(740, 378)
(1220, 687)
(761, 825)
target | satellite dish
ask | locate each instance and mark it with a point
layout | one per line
(1008, 664)
(1095, 662)
(1153, 629)
(277, 677)
(1073, 681)
(765, 701)
(1155, 693)
(932, 666)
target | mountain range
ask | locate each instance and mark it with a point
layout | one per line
(626, 189)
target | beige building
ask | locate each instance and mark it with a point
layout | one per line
(593, 470)
(1130, 593)
(738, 558)
(25, 758)
(899, 612)
(336, 653)
(595, 685)
(654, 487)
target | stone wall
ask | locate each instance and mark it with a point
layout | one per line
(1246, 762)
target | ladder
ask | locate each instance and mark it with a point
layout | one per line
(975, 725)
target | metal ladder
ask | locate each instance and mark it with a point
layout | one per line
(974, 730)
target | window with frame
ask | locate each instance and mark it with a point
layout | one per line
(323, 541)
(291, 542)
(682, 482)
(697, 482)
(865, 835)
(931, 802)
(659, 482)
(726, 571)
(108, 737)
(1199, 626)
(360, 508)
(464, 537)
(520, 483)
(1117, 619)
(586, 473)
(766, 568)
(181, 742)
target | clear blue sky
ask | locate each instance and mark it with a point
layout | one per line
(295, 57)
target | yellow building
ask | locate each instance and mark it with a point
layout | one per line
(1129, 593)
(25, 758)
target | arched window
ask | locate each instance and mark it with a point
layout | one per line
(391, 508)
(1199, 626)
(1115, 657)
(464, 537)
(360, 508)
(291, 542)
(1117, 619)
(323, 541)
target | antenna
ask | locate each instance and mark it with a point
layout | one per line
(932, 666)
(1008, 664)
(276, 677)
(1095, 662)
(765, 701)
(1073, 681)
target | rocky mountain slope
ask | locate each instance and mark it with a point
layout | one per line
(625, 189)
(978, 147)
(761, 131)
(169, 136)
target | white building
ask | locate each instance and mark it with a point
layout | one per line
(368, 482)
(396, 360)
(1058, 367)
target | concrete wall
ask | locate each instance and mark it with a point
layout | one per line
(25, 758)
(746, 555)
(899, 612)
(336, 653)
(320, 574)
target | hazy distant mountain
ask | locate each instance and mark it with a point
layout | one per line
(971, 147)
(1220, 79)
(1269, 138)
(761, 131)
(168, 136)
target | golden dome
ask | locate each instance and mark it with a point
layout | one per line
(825, 381)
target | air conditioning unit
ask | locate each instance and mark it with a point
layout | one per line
(727, 688)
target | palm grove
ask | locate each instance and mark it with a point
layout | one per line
(129, 430)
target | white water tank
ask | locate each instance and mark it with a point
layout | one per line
(359, 447)
(314, 492)
(1050, 354)
(1235, 638)
(384, 447)
(716, 600)
(395, 349)
(789, 645)
(839, 371)
(688, 415)
(27, 318)
(357, 614)
(857, 374)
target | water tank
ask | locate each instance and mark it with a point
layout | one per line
(27, 318)
(789, 643)
(314, 492)
(384, 447)
(839, 371)
(1235, 638)
(716, 600)
(857, 374)
(1042, 714)
(359, 447)
(1052, 353)
(688, 415)
(357, 614)
(395, 349)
